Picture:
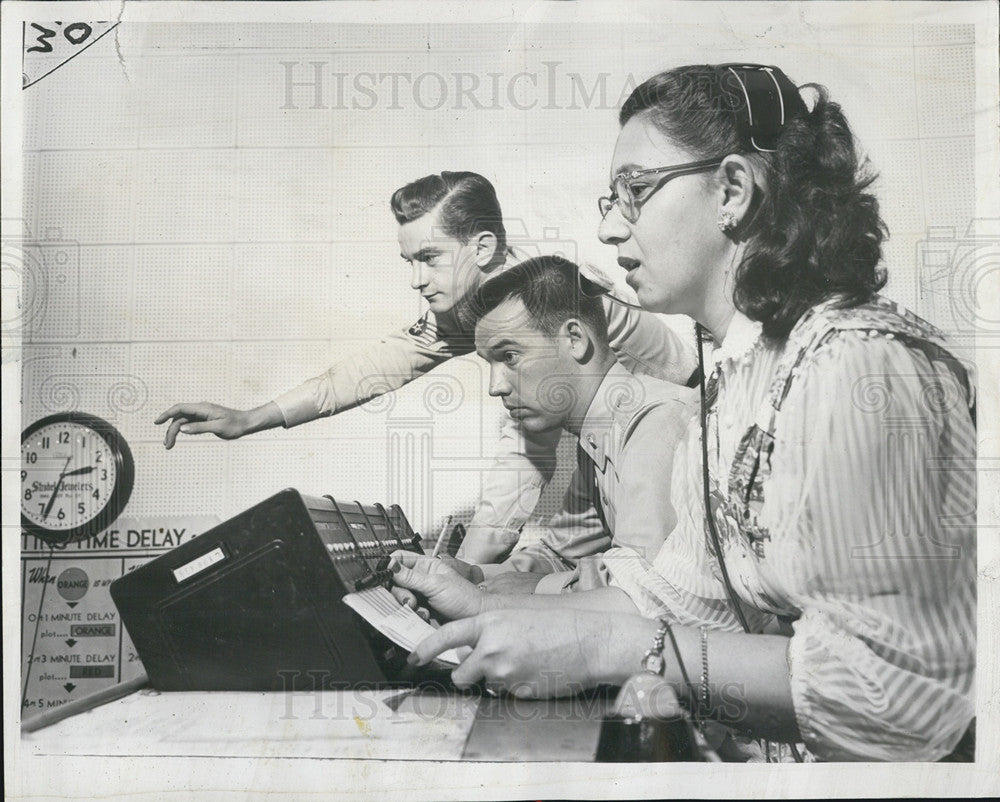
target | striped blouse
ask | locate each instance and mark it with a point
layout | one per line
(857, 524)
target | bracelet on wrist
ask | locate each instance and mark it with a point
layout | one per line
(704, 700)
(652, 660)
(692, 693)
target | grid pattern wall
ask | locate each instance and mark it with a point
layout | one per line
(210, 221)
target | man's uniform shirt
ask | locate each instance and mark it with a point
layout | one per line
(620, 493)
(523, 465)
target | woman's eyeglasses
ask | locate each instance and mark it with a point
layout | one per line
(630, 194)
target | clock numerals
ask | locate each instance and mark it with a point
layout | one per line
(76, 476)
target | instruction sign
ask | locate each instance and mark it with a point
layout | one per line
(72, 639)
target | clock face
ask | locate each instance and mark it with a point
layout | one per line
(76, 475)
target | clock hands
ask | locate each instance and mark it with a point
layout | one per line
(63, 475)
(79, 471)
(55, 490)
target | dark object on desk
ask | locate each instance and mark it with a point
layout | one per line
(625, 740)
(642, 722)
(647, 724)
(255, 603)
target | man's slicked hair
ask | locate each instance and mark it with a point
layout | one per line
(549, 288)
(468, 202)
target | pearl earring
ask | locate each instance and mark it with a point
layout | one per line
(727, 220)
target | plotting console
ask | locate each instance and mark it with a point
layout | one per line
(255, 603)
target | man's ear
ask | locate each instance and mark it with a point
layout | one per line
(486, 248)
(737, 178)
(578, 339)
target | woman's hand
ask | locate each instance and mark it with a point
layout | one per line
(530, 653)
(444, 589)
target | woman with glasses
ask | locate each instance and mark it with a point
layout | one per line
(820, 584)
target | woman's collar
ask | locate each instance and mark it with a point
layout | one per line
(741, 336)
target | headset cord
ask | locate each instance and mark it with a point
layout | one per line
(713, 532)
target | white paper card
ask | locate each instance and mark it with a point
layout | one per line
(398, 623)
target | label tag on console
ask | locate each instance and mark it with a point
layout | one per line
(198, 565)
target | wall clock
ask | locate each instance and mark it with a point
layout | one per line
(76, 477)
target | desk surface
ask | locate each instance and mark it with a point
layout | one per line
(380, 725)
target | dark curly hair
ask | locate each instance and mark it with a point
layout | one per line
(814, 232)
